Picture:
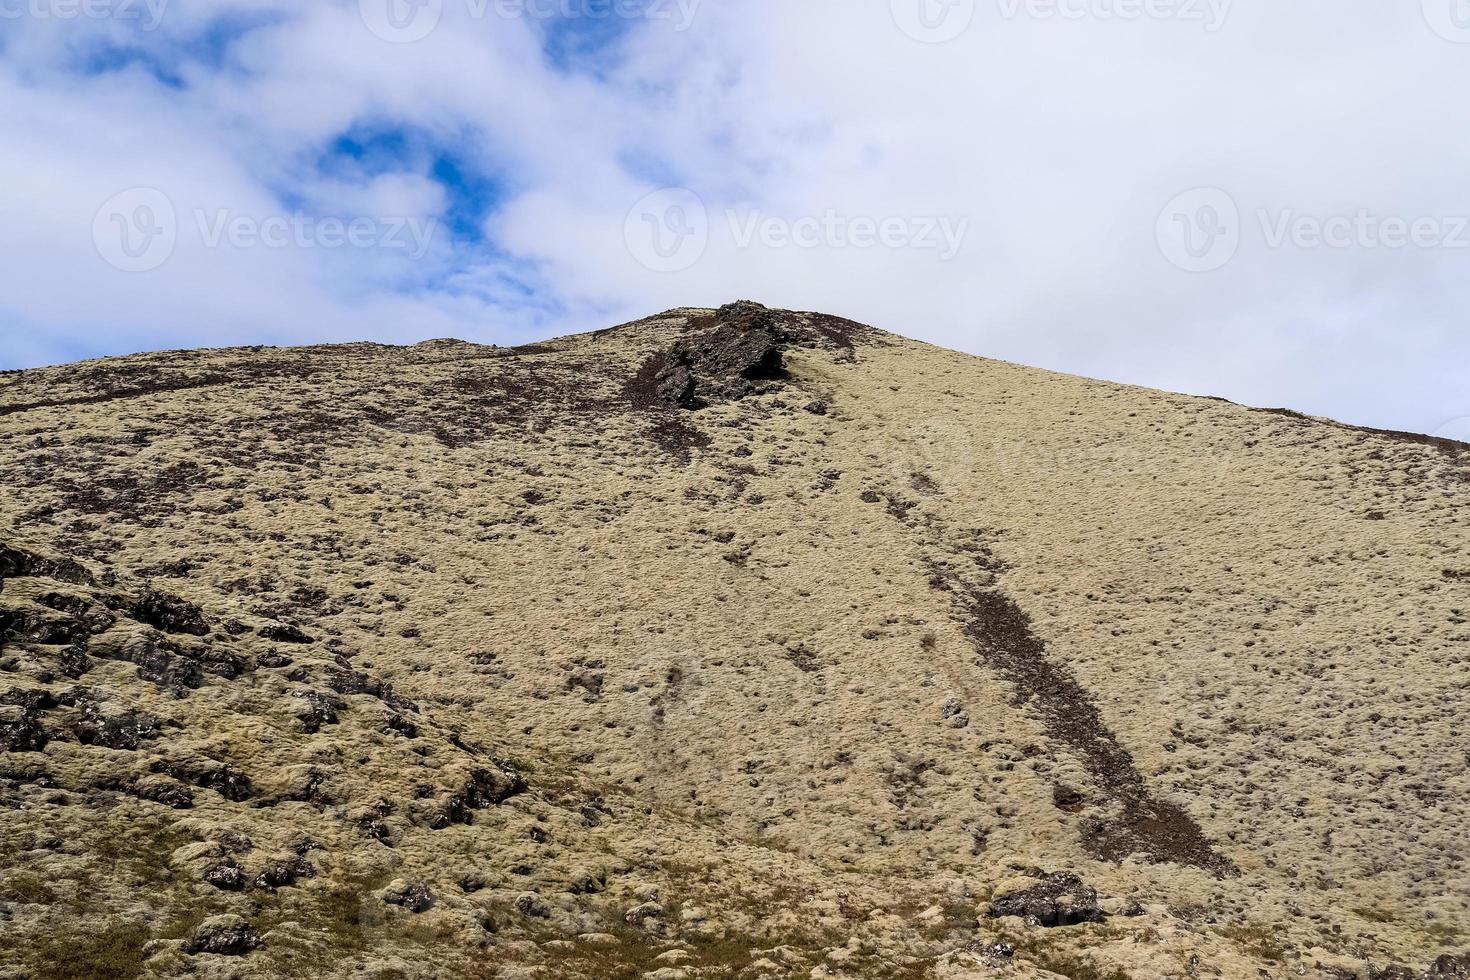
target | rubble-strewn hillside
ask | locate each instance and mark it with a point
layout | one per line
(737, 643)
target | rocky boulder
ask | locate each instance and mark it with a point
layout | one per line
(1059, 899)
(223, 935)
(1450, 967)
(20, 730)
(723, 364)
(414, 896)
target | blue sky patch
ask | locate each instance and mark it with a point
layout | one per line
(109, 59)
(167, 60)
(585, 36)
(370, 150)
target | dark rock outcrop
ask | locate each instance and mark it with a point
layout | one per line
(223, 935)
(414, 896)
(122, 730)
(40, 626)
(1059, 899)
(168, 613)
(723, 364)
(224, 779)
(1450, 967)
(164, 790)
(20, 730)
(18, 563)
(284, 633)
(158, 660)
(485, 787)
(317, 709)
(283, 873)
(1394, 971)
(345, 681)
(226, 877)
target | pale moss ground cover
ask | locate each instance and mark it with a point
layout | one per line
(733, 655)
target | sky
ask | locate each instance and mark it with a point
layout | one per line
(1254, 199)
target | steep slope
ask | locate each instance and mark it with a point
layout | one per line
(724, 643)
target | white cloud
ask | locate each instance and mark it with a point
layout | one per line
(1058, 139)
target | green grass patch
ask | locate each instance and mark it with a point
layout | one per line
(28, 889)
(1077, 967)
(116, 953)
(1257, 940)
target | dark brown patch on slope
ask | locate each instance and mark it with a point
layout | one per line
(669, 429)
(735, 351)
(18, 563)
(725, 363)
(1450, 447)
(56, 643)
(843, 334)
(238, 374)
(798, 329)
(1002, 634)
(132, 494)
(725, 359)
(472, 407)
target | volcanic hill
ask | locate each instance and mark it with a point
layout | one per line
(727, 643)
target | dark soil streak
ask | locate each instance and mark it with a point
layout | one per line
(1002, 634)
(669, 428)
(843, 334)
(161, 387)
(1450, 447)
